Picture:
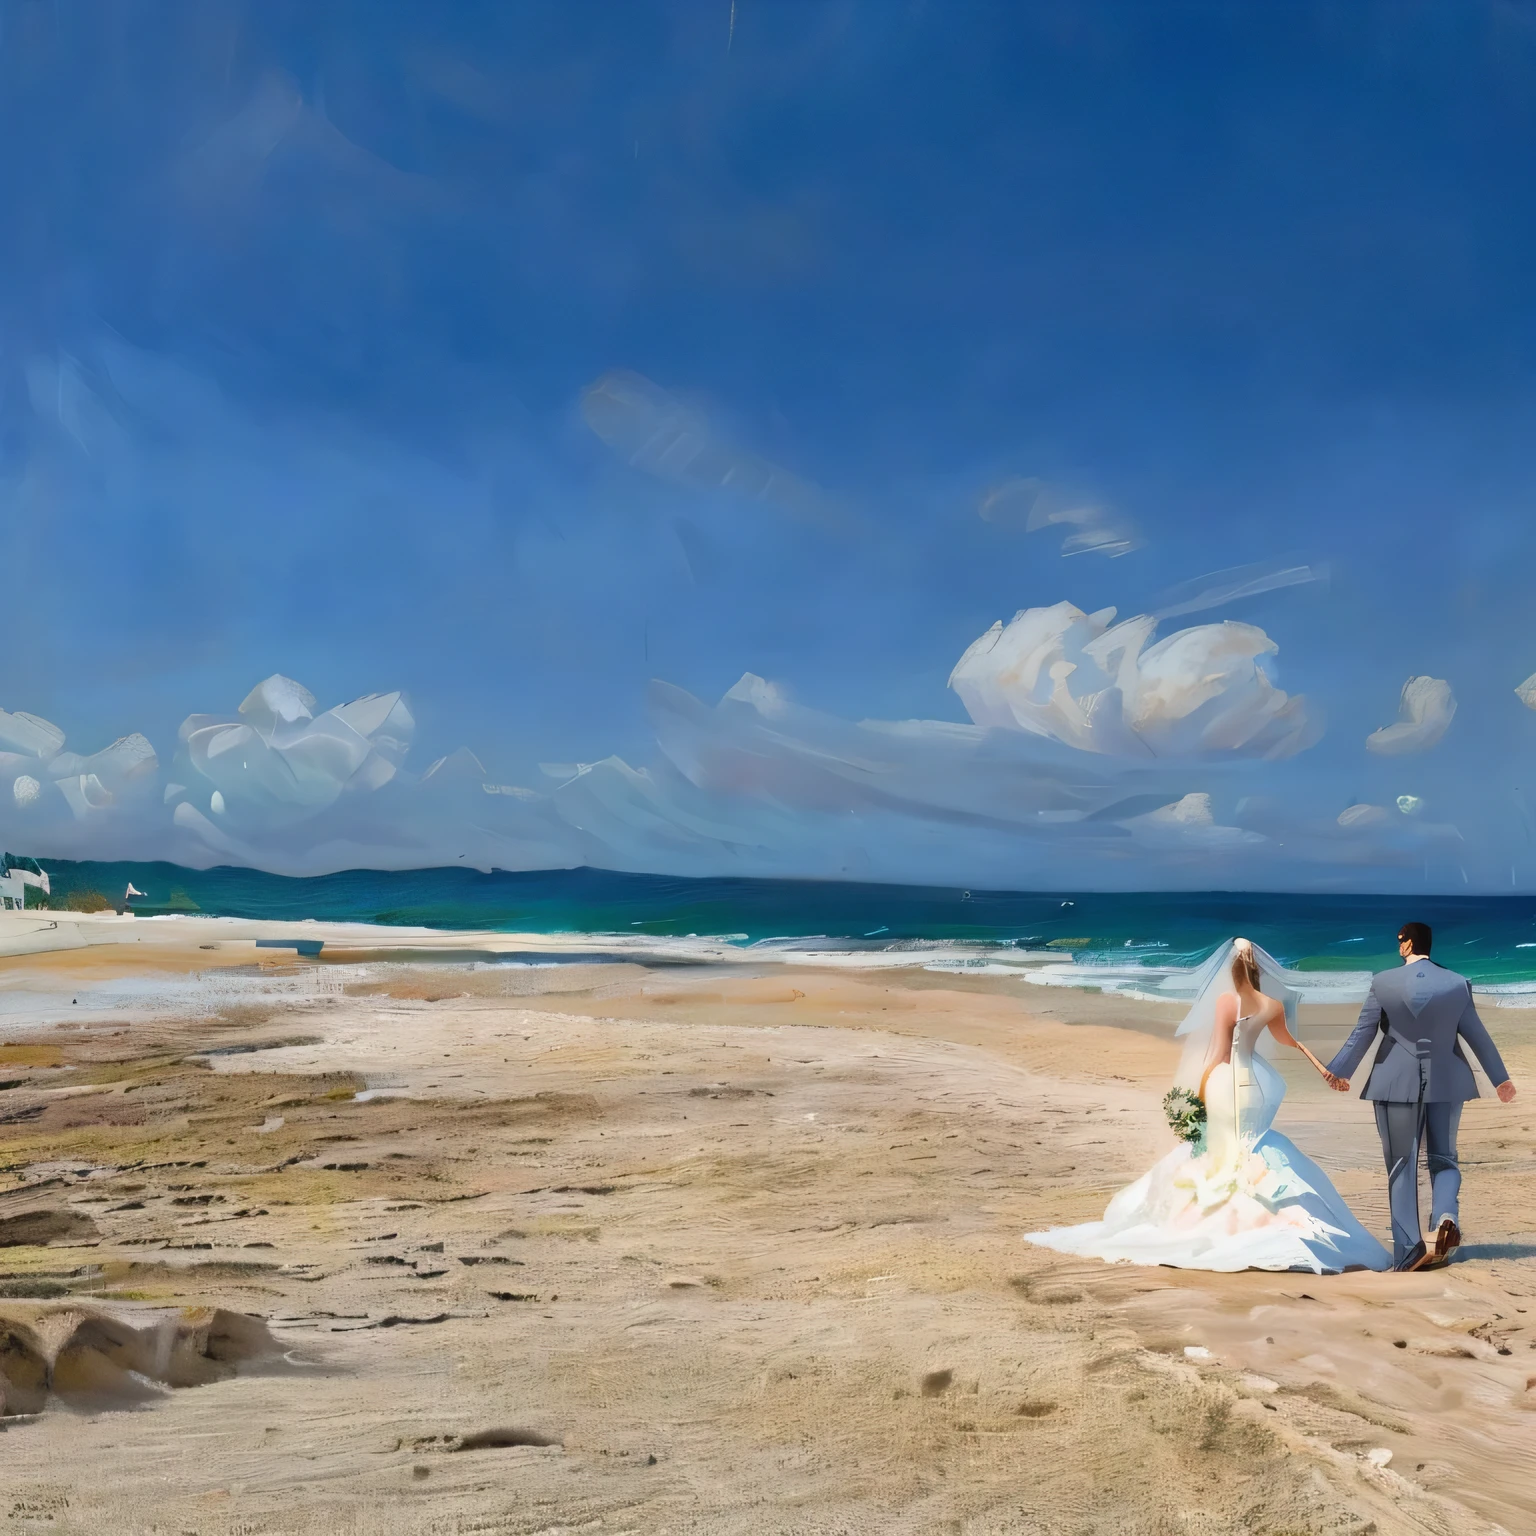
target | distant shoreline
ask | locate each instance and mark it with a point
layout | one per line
(1330, 893)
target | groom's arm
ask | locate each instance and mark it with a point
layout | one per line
(1475, 1033)
(1359, 1042)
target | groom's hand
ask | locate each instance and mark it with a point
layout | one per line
(1338, 1084)
(1506, 1092)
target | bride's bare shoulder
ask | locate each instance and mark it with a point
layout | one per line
(1270, 1014)
(1226, 1008)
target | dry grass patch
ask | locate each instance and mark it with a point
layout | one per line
(26, 1055)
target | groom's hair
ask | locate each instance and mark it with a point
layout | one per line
(1418, 935)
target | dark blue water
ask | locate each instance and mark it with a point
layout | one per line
(1491, 939)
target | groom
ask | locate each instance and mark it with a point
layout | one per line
(1419, 1083)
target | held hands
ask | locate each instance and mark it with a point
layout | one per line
(1338, 1084)
(1506, 1092)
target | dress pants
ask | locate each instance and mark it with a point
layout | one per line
(1403, 1127)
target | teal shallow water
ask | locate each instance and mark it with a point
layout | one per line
(1490, 939)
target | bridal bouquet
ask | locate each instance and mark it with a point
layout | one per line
(1186, 1114)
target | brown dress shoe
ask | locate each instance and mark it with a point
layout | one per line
(1447, 1241)
(1416, 1258)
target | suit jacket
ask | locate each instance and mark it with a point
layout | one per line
(1422, 1013)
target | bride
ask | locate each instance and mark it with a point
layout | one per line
(1243, 1196)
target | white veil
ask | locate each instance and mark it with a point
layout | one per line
(1210, 982)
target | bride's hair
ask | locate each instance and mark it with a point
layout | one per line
(1245, 967)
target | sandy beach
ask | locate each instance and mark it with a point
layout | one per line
(432, 1243)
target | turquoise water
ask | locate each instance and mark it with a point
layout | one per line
(1490, 939)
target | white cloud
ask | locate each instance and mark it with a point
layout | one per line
(1364, 816)
(1034, 505)
(1120, 783)
(1190, 823)
(45, 780)
(1102, 687)
(1376, 833)
(29, 736)
(286, 788)
(757, 745)
(1219, 588)
(276, 762)
(1424, 712)
(106, 778)
(657, 432)
(644, 814)
(756, 783)
(1526, 692)
(1024, 810)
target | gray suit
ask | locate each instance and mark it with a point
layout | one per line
(1419, 1082)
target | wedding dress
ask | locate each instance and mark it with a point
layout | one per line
(1245, 1197)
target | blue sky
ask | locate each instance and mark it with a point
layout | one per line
(301, 308)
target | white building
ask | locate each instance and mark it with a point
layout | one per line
(15, 876)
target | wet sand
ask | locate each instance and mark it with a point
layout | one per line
(741, 1243)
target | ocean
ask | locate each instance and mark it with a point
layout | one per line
(1141, 943)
